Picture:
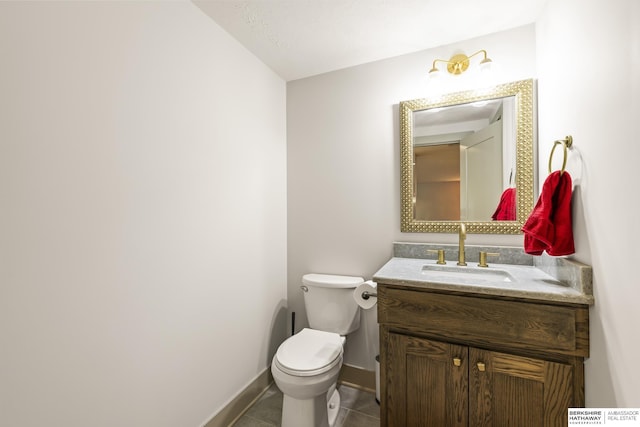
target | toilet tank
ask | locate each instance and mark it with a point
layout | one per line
(329, 302)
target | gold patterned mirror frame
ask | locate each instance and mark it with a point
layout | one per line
(523, 90)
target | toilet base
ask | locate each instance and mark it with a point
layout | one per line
(320, 411)
(333, 406)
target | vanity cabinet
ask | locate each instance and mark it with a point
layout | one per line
(455, 359)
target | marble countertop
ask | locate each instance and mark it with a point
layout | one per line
(527, 281)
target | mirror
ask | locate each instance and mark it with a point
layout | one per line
(468, 157)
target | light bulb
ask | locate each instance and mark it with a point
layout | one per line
(486, 65)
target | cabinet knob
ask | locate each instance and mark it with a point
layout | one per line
(481, 367)
(457, 361)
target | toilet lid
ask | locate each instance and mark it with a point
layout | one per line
(309, 352)
(331, 280)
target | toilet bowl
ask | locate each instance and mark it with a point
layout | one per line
(306, 368)
(307, 364)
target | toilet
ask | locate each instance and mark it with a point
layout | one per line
(307, 364)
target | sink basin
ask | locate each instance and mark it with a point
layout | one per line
(467, 274)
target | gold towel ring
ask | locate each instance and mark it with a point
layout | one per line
(566, 143)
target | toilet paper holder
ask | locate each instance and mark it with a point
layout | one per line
(366, 295)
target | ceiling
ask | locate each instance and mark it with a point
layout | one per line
(302, 38)
(457, 114)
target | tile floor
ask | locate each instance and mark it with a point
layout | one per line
(357, 409)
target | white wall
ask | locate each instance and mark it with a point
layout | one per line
(589, 87)
(142, 214)
(344, 167)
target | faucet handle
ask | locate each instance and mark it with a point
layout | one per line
(483, 258)
(440, 253)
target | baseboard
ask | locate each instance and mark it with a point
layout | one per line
(238, 406)
(358, 378)
(349, 375)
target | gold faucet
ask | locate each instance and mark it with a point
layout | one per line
(461, 236)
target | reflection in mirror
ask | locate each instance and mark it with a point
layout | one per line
(464, 156)
(468, 158)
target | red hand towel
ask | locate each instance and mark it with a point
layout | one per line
(506, 210)
(549, 225)
(563, 242)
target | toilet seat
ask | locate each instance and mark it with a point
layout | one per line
(309, 352)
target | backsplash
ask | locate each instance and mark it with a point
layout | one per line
(508, 255)
(577, 275)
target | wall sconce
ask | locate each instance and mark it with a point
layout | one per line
(459, 63)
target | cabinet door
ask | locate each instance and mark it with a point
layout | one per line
(508, 390)
(427, 383)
